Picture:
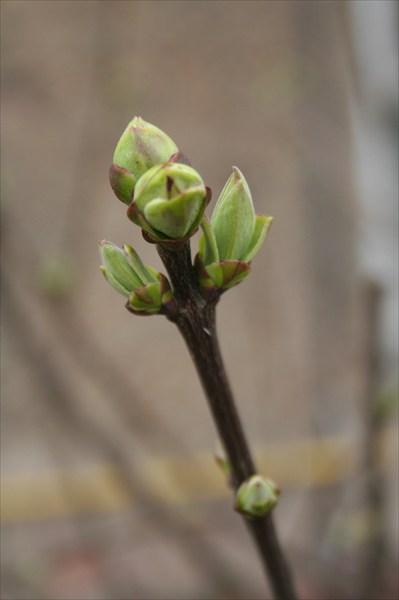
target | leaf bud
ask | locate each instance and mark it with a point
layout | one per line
(256, 497)
(140, 147)
(117, 270)
(148, 291)
(238, 232)
(169, 201)
(231, 239)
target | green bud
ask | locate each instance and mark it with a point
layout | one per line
(238, 232)
(169, 201)
(256, 497)
(140, 147)
(117, 270)
(148, 291)
(231, 239)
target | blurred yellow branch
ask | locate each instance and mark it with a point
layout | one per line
(99, 488)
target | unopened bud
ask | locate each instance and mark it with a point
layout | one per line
(238, 232)
(256, 497)
(147, 290)
(140, 147)
(117, 270)
(169, 201)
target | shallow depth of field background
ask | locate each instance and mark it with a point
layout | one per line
(109, 487)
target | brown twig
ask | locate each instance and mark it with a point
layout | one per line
(195, 318)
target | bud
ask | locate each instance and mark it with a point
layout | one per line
(117, 270)
(256, 497)
(148, 291)
(169, 201)
(232, 238)
(141, 147)
(238, 232)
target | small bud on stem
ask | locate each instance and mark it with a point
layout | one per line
(256, 497)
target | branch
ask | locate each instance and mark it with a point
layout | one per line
(195, 319)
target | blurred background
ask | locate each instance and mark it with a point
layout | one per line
(109, 486)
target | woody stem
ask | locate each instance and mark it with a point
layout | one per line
(195, 319)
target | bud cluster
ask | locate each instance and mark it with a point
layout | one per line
(167, 198)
